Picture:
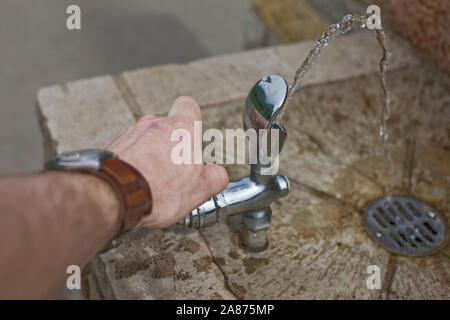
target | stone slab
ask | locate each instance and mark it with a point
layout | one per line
(230, 77)
(82, 114)
(158, 264)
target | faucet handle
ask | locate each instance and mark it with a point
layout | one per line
(264, 101)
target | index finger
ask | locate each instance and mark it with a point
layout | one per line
(186, 107)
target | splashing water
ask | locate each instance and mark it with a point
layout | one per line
(386, 109)
(348, 23)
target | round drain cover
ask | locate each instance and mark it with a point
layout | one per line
(405, 226)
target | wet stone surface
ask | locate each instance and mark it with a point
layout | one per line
(157, 260)
(319, 247)
(334, 160)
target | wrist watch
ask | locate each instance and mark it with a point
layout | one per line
(128, 184)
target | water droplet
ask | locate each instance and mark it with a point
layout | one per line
(378, 234)
(347, 18)
(431, 214)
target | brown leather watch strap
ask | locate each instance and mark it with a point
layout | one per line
(131, 188)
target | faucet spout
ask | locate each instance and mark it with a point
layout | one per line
(241, 196)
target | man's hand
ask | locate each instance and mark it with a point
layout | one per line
(176, 189)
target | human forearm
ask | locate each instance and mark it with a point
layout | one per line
(53, 220)
(50, 221)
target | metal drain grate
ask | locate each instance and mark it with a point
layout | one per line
(405, 226)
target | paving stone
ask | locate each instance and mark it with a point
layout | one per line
(421, 278)
(67, 113)
(291, 20)
(428, 277)
(209, 81)
(159, 264)
(230, 77)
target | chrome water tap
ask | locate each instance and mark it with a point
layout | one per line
(252, 196)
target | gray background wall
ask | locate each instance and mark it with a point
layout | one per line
(37, 50)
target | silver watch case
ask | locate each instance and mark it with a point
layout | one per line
(89, 159)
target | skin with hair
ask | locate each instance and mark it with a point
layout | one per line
(55, 219)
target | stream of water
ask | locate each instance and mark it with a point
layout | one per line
(348, 23)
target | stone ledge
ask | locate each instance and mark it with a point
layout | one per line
(229, 77)
(160, 264)
(67, 110)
